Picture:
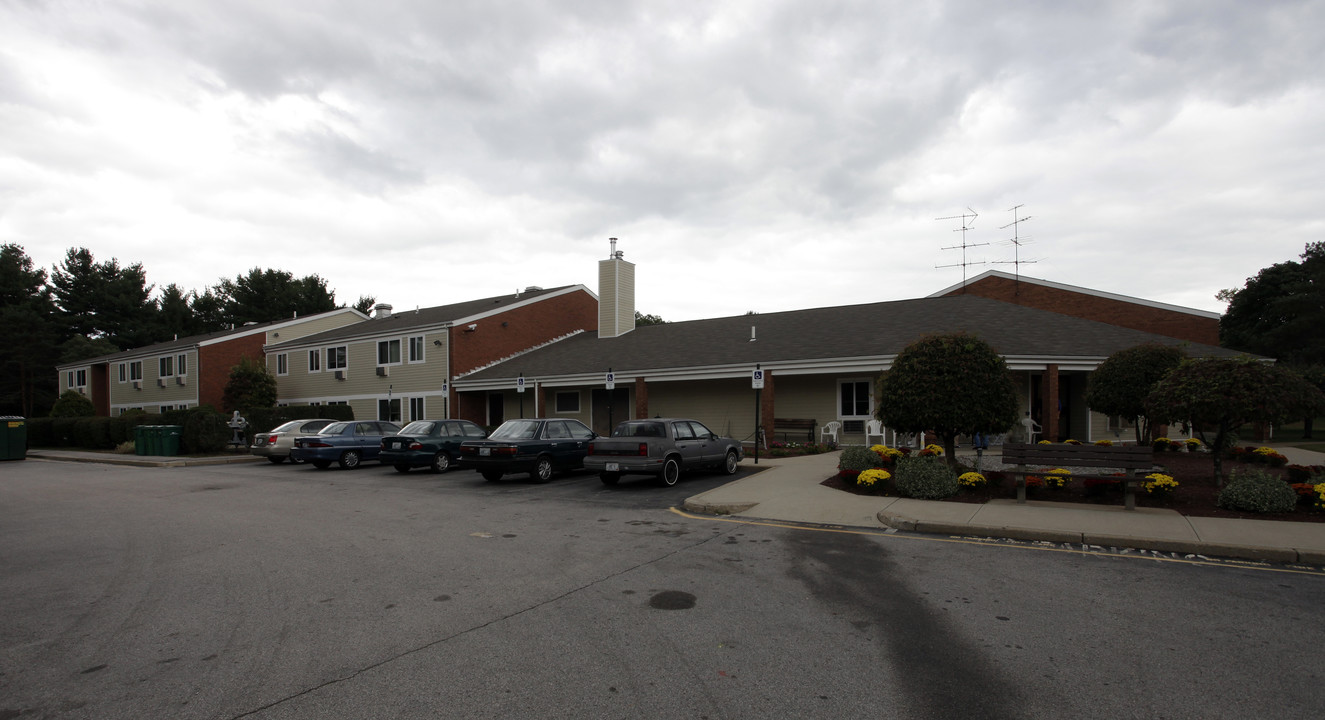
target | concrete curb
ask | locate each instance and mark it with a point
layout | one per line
(727, 508)
(140, 461)
(1240, 552)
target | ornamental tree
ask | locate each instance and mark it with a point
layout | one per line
(1121, 384)
(251, 385)
(1219, 395)
(952, 385)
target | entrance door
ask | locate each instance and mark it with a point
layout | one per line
(605, 419)
(496, 409)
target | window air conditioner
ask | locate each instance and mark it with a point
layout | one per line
(340, 374)
(137, 384)
(160, 382)
(179, 380)
(381, 372)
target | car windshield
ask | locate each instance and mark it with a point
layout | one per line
(334, 428)
(639, 429)
(418, 427)
(516, 430)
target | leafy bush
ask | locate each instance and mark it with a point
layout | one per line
(925, 478)
(92, 433)
(72, 403)
(1257, 491)
(62, 431)
(205, 431)
(858, 457)
(40, 432)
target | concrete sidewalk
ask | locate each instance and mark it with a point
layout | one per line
(109, 458)
(790, 490)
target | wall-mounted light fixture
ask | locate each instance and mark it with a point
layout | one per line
(438, 343)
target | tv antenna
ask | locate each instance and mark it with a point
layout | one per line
(967, 223)
(1016, 241)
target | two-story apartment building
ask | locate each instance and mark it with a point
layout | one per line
(187, 371)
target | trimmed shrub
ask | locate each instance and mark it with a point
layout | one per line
(925, 478)
(62, 431)
(1257, 491)
(72, 403)
(41, 432)
(859, 458)
(92, 433)
(205, 431)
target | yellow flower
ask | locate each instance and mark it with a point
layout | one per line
(971, 479)
(1159, 483)
(869, 478)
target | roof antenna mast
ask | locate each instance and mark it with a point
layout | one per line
(968, 223)
(1016, 241)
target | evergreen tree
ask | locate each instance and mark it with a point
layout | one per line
(27, 363)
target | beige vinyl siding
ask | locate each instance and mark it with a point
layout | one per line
(806, 397)
(727, 407)
(585, 414)
(423, 379)
(304, 328)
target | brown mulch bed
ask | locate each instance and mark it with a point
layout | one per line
(1196, 494)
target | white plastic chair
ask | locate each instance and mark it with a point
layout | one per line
(874, 428)
(829, 430)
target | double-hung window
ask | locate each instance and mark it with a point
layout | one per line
(165, 366)
(124, 372)
(314, 361)
(136, 370)
(388, 352)
(336, 359)
(416, 349)
(282, 364)
(416, 409)
(181, 365)
(855, 405)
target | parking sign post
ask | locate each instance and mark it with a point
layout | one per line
(611, 390)
(757, 382)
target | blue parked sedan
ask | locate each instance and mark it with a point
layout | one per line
(347, 443)
(428, 443)
(538, 447)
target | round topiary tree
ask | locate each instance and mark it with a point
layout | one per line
(1220, 395)
(950, 384)
(1121, 384)
(251, 385)
(72, 403)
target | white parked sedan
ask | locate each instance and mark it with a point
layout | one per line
(275, 445)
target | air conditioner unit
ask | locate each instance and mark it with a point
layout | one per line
(179, 380)
(381, 372)
(137, 384)
(340, 374)
(160, 382)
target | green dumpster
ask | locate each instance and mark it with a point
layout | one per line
(140, 439)
(170, 439)
(13, 438)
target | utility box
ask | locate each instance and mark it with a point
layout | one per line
(13, 438)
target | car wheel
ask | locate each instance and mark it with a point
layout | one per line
(610, 478)
(542, 470)
(671, 472)
(350, 459)
(441, 462)
(731, 463)
(275, 459)
(321, 464)
(401, 467)
(492, 475)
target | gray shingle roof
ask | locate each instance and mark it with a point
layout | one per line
(402, 321)
(821, 334)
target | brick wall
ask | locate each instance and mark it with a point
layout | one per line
(1175, 324)
(524, 328)
(215, 361)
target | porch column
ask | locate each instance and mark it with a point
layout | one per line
(766, 407)
(1049, 403)
(641, 399)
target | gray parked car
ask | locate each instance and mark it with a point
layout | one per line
(662, 447)
(275, 444)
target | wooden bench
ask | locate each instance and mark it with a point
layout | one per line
(1128, 458)
(788, 425)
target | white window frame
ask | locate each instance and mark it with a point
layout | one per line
(282, 364)
(165, 366)
(387, 344)
(344, 358)
(422, 354)
(314, 361)
(124, 373)
(387, 404)
(182, 365)
(556, 402)
(869, 385)
(76, 379)
(136, 371)
(417, 409)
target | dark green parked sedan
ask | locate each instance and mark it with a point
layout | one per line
(427, 443)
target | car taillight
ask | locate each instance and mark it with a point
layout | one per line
(503, 451)
(416, 446)
(317, 444)
(644, 449)
(271, 440)
(591, 448)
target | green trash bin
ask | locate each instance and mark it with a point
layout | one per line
(170, 439)
(13, 438)
(150, 435)
(140, 439)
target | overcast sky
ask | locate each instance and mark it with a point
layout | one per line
(762, 155)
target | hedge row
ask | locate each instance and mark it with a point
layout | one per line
(204, 429)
